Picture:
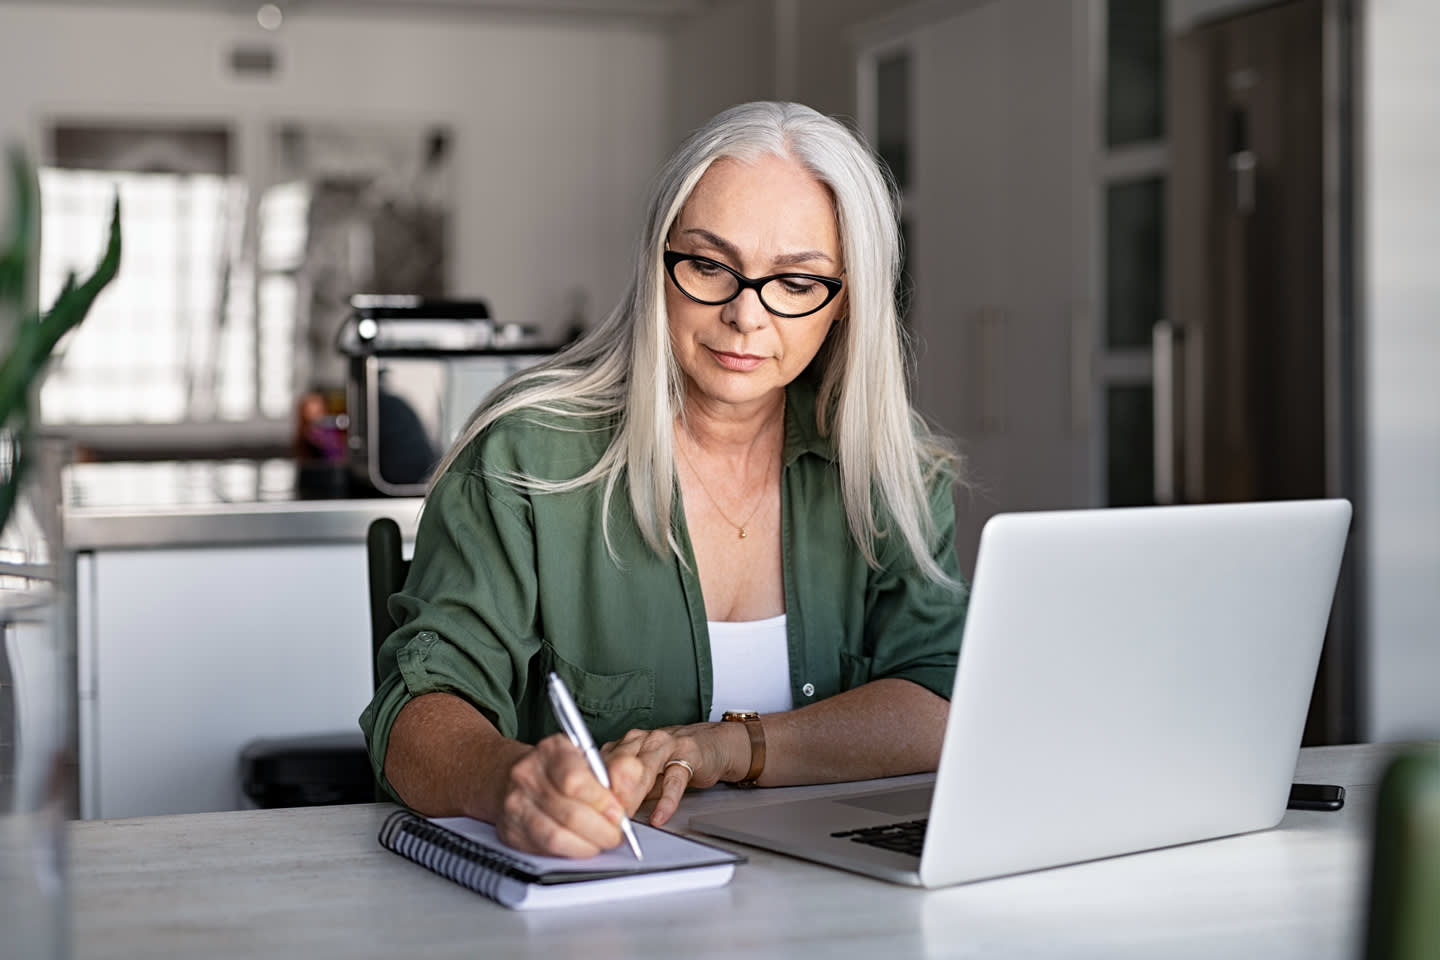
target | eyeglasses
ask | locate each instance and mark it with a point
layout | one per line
(788, 295)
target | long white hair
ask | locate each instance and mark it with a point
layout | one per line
(623, 371)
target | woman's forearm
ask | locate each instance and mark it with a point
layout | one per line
(885, 728)
(446, 759)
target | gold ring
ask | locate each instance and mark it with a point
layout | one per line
(680, 763)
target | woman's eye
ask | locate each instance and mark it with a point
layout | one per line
(797, 286)
(706, 269)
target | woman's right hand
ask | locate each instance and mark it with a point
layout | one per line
(552, 804)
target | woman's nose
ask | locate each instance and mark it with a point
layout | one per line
(746, 313)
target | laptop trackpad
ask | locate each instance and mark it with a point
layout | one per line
(898, 802)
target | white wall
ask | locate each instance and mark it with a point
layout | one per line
(1000, 245)
(824, 50)
(1400, 306)
(720, 58)
(743, 50)
(559, 124)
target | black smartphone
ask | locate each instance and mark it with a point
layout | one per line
(1316, 796)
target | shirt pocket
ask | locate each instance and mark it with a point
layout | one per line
(611, 703)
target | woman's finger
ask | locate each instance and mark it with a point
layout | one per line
(630, 781)
(525, 826)
(628, 744)
(674, 778)
(667, 762)
(568, 772)
(647, 750)
(656, 748)
(555, 805)
(565, 819)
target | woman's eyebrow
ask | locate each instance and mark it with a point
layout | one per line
(733, 252)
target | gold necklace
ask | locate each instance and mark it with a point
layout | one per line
(742, 527)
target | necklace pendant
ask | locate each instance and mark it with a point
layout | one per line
(743, 533)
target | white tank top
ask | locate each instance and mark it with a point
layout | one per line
(750, 664)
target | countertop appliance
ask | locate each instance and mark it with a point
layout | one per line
(418, 368)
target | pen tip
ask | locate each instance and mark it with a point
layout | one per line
(633, 840)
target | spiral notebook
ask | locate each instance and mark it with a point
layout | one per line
(468, 852)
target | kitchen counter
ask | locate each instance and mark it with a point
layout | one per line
(225, 574)
(213, 503)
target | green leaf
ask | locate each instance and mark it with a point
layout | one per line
(15, 260)
(35, 337)
(34, 341)
(74, 302)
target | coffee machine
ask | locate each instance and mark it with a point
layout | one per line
(417, 370)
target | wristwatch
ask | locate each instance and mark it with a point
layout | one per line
(756, 729)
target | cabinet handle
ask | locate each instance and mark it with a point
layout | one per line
(1082, 374)
(1163, 337)
(1242, 170)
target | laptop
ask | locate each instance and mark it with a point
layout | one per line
(1128, 679)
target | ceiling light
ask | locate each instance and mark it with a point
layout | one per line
(270, 16)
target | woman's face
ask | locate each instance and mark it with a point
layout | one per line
(759, 218)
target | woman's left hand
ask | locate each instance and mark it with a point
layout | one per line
(675, 758)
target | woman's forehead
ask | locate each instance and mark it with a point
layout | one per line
(770, 205)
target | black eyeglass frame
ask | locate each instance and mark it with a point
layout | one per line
(832, 285)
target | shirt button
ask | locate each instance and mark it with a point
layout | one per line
(808, 689)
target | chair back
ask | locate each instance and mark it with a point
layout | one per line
(388, 569)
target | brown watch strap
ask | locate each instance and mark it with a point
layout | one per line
(756, 730)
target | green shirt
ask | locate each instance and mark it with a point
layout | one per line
(508, 584)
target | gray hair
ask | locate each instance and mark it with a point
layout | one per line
(624, 370)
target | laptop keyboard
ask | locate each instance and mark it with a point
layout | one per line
(908, 836)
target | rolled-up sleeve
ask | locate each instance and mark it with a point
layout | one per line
(912, 624)
(467, 614)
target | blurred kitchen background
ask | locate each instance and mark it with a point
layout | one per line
(1158, 251)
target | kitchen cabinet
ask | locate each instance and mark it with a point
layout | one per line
(211, 607)
(185, 654)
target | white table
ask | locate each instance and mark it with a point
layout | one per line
(314, 882)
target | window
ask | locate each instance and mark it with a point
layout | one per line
(233, 281)
(1135, 72)
(1131, 187)
(173, 341)
(167, 342)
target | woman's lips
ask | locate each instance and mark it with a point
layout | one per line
(739, 362)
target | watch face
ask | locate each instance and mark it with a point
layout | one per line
(740, 715)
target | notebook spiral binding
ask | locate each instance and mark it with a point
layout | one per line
(456, 858)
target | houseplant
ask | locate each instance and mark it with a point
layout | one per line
(30, 335)
(37, 686)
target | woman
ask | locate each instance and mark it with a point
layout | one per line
(720, 500)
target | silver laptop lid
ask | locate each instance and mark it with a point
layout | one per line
(1129, 679)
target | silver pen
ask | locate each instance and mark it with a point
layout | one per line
(574, 726)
